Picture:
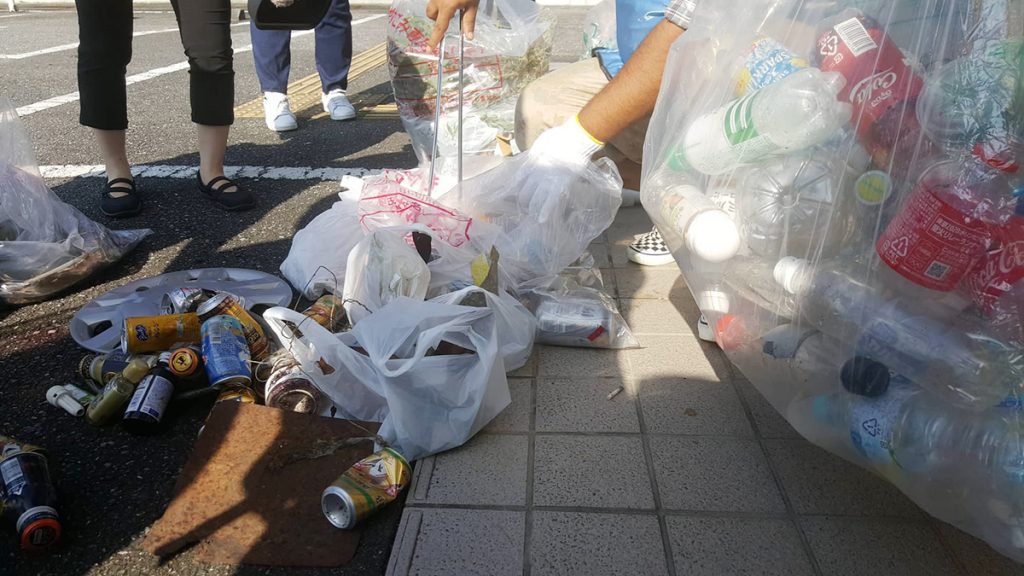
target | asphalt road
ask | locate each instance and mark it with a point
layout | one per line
(113, 486)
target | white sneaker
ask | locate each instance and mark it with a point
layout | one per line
(649, 250)
(278, 115)
(337, 105)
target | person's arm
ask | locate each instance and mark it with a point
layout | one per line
(442, 11)
(631, 94)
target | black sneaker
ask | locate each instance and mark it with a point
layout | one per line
(649, 250)
(129, 203)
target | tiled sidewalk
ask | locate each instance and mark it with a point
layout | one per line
(689, 471)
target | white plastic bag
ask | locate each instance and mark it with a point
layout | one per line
(382, 267)
(427, 404)
(45, 244)
(319, 252)
(599, 28)
(548, 213)
(516, 325)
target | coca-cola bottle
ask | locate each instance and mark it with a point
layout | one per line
(880, 85)
(943, 229)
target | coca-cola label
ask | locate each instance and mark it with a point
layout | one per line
(877, 77)
(1000, 269)
(932, 243)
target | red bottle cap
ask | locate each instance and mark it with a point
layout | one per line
(40, 534)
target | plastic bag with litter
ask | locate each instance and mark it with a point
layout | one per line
(511, 47)
(547, 213)
(840, 183)
(45, 244)
(432, 373)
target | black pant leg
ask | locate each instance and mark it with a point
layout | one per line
(205, 27)
(104, 51)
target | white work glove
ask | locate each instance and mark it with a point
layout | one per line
(568, 143)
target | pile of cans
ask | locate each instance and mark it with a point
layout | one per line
(204, 344)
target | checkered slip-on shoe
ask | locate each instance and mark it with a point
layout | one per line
(649, 250)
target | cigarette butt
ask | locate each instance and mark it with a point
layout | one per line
(615, 392)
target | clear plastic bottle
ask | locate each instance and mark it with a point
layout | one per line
(912, 430)
(963, 368)
(796, 112)
(708, 232)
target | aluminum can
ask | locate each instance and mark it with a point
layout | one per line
(327, 311)
(288, 388)
(225, 352)
(159, 333)
(225, 304)
(364, 488)
(240, 394)
(182, 300)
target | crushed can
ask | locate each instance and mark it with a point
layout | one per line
(328, 311)
(288, 388)
(364, 488)
(28, 499)
(184, 300)
(224, 304)
(159, 333)
(225, 352)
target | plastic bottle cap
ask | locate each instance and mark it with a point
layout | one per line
(713, 301)
(712, 236)
(865, 377)
(730, 332)
(792, 274)
(40, 534)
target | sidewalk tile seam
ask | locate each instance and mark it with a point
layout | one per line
(666, 543)
(530, 448)
(424, 472)
(805, 542)
(399, 546)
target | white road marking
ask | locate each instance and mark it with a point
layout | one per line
(67, 171)
(73, 45)
(149, 75)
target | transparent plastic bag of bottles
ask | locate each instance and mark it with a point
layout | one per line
(840, 184)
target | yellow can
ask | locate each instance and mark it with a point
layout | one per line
(368, 485)
(159, 333)
(240, 394)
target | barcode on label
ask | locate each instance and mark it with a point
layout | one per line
(855, 36)
(937, 270)
(10, 471)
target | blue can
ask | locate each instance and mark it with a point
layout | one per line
(225, 352)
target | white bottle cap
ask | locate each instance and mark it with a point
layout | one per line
(714, 301)
(59, 397)
(792, 274)
(712, 236)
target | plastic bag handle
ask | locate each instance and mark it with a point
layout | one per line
(314, 336)
(456, 324)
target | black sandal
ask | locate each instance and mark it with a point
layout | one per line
(231, 201)
(121, 206)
